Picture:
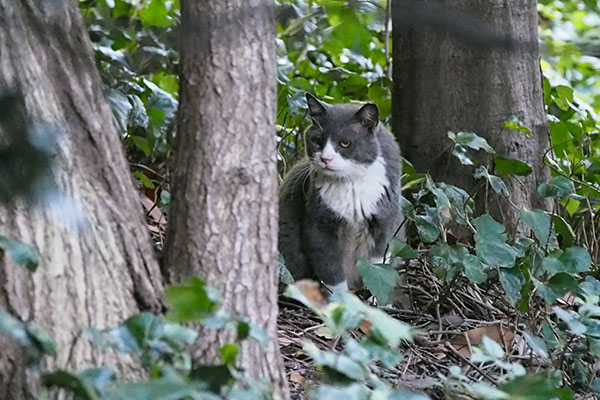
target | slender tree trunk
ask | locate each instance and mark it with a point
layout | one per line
(468, 66)
(104, 270)
(223, 219)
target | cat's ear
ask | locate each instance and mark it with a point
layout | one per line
(316, 108)
(368, 115)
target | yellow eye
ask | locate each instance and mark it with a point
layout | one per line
(345, 143)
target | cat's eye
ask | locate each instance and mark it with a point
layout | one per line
(316, 140)
(345, 143)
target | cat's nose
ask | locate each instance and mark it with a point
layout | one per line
(326, 160)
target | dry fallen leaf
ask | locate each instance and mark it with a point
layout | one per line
(312, 291)
(500, 335)
(294, 377)
(365, 327)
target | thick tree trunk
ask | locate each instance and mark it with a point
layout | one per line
(223, 219)
(104, 270)
(469, 69)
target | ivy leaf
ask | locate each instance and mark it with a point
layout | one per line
(537, 344)
(229, 353)
(155, 14)
(534, 387)
(496, 253)
(473, 141)
(556, 287)
(191, 301)
(337, 362)
(21, 253)
(379, 279)
(508, 166)
(495, 182)
(33, 339)
(514, 123)
(407, 208)
(474, 269)
(564, 230)
(575, 259)
(399, 248)
(144, 179)
(512, 281)
(559, 186)
(462, 154)
(571, 318)
(83, 385)
(426, 228)
(120, 107)
(541, 223)
(488, 229)
(388, 329)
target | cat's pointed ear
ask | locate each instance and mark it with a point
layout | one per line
(316, 108)
(368, 115)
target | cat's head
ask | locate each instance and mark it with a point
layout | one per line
(342, 141)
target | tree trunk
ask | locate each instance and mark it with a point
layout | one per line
(223, 218)
(469, 69)
(103, 270)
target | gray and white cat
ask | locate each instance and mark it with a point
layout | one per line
(341, 202)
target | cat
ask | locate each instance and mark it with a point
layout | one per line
(341, 202)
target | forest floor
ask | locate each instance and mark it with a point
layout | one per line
(452, 318)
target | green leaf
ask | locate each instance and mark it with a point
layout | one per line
(191, 301)
(408, 210)
(120, 107)
(155, 14)
(473, 141)
(144, 179)
(571, 318)
(488, 229)
(496, 253)
(509, 166)
(556, 287)
(399, 248)
(215, 376)
(495, 182)
(229, 353)
(462, 154)
(576, 259)
(426, 228)
(535, 387)
(142, 144)
(71, 382)
(564, 230)
(21, 253)
(559, 186)
(161, 389)
(537, 344)
(387, 328)
(514, 123)
(492, 348)
(33, 339)
(474, 269)
(541, 224)
(512, 281)
(380, 279)
(338, 362)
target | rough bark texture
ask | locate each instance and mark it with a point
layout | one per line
(103, 271)
(223, 218)
(469, 70)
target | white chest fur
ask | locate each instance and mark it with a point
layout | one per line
(355, 198)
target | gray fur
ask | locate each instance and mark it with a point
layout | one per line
(316, 241)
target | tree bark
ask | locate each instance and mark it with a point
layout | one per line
(223, 218)
(102, 270)
(468, 69)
